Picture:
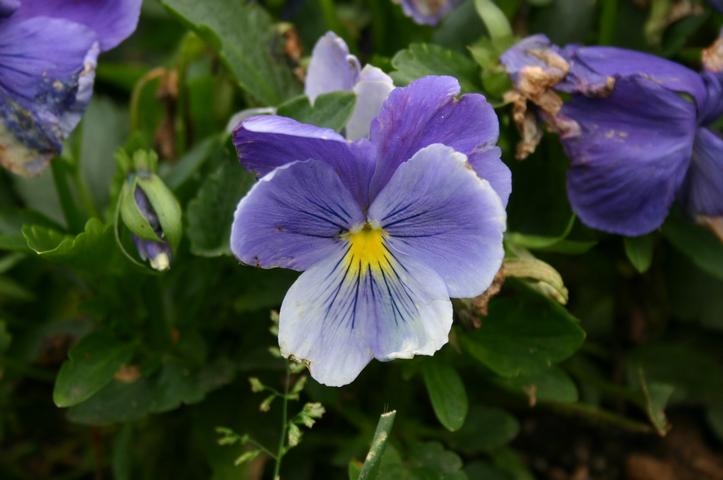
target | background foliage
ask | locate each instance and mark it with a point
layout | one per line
(579, 370)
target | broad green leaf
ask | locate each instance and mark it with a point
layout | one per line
(446, 392)
(426, 461)
(486, 429)
(175, 384)
(700, 245)
(640, 251)
(93, 250)
(524, 333)
(11, 225)
(549, 385)
(370, 469)
(91, 364)
(245, 38)
(422, 59)
(330, 110)
(210, 213)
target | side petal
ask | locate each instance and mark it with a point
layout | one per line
(620, 62)
(340, 314)
(266, 142)
(428, 111)
(703, 188)
(47, 68)
(293, 217)
(489, 166)
(438, 211)
(628, 155)
(332, 67)
(112, 20)
(372, 90)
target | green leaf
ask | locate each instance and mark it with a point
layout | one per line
(700, 245)
(549, 385)
(494, 19)
(91, 365)
(431, 461)
(422, 59)
(655, 398)
(245, 38)
(5, 337)
(330, 110)
(190, 163)
(11, 225)
(446, 392)
(93, 250)
(486, 429)
(12, 290)
(524, 333)
(210, 213)
(370, 469)
(166, 206)
(640, 251)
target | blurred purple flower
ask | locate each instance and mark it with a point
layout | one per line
(333, 68)
(428, 12)
(48, 52)
(385, 229)
(635, 129)
(717, 4)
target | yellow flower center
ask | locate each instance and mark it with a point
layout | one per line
(366, 250)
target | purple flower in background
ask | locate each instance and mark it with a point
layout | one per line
(427, 12)
(635, 129)
(48, 52)
(385, 229)
(333, 68)
(717, 4)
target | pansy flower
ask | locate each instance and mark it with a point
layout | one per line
(636, 130)
(386, 229)
(48, 52)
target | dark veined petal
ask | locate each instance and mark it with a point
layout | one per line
(703, 188)
(112, 20)
(428, 111)
(332, 68)
(436, 210)
(360, 303)
(47, 68)
(628, 155)
(266, 142)
(293, 217)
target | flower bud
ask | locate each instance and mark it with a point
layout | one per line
(152, 214)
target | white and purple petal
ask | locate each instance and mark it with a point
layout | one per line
(437, 210)
(703, 189)
(338, 316)
(629, 155)
(332, 68)
(293, 217)
(425, 112)
(372, 89)
(112, 20)
(266, 142)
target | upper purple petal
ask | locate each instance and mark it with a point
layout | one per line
(619, 62)
(8, 7)
(112, 20)
(425, 112)
(331, 68)
(437, 210)
(292, 217)
(47, 68)
(266, 142)
(629, 155)
(428, 12)
(703, 188)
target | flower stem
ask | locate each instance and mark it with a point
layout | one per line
(284, 421)
(73, 217)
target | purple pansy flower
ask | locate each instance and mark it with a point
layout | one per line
(427, 12)
(385, 229)
(635, 130)
(48, 52)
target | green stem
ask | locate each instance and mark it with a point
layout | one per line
(84, 194)
(608, 21)
(599, 416)
(262, 448)
(284, 426)
(73, 217)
